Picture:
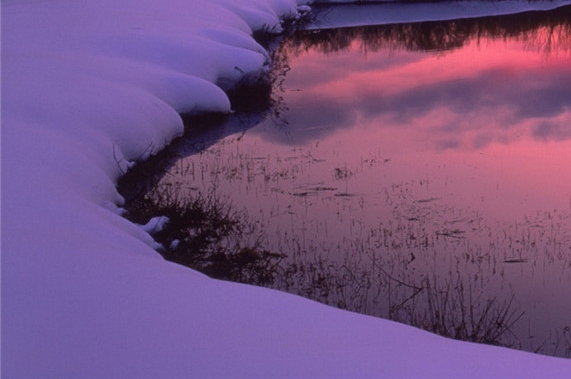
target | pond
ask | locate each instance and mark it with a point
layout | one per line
(418, 172)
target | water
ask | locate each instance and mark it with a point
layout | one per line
(418, 172)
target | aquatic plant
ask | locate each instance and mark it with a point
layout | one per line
(207, 234)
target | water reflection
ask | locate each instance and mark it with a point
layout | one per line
(547, 32)
(417, 172)
(504, 77)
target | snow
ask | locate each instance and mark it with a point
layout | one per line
(155, 224)
(90, 87)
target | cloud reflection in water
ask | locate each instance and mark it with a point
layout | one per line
(498, 85)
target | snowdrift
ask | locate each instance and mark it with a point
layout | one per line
(88, 89)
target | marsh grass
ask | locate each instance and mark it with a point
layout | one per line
(563, 342)
(445, 306)
(374, 269)
(209, 234)
(456, 312)
(259, 91)
(554, 38)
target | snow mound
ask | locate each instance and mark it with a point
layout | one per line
(91, 87)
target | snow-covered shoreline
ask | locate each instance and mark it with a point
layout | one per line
(88, 89)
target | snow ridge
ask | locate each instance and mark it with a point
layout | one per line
(88, 89)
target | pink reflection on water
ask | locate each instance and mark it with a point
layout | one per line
(498, 107)
(470, 96)
(477, 133)
(458, 158)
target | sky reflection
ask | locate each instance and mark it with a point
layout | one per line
(476, 134)
(491, 115)
(464, 98)
(487, 123)
(389, 143)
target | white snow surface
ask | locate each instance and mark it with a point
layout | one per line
(88, 87)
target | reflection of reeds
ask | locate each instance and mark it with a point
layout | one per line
(453, 311)
(448, 309)
(372, 270)
(563, 342)
(547, 31)
(206, 233)
(425, 264)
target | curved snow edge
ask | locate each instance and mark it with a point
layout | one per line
(89, 88)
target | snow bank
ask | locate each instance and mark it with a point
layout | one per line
(90, 87)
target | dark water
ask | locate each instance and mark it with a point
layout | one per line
(418, 172)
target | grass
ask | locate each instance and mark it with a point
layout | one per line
(453, 311)
(208, 234)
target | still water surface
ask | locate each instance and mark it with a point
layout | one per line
(422, 164)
